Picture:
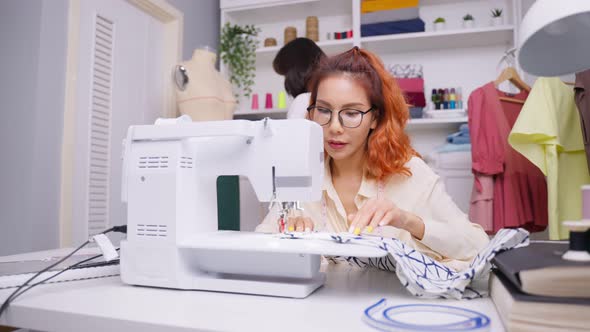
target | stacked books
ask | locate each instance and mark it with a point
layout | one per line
(534, 289)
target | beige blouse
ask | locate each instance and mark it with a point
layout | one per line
(449, 236)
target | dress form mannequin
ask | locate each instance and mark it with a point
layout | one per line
(208, 95)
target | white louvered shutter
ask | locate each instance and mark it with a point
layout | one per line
(100, 126)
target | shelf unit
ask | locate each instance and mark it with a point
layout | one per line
(427, 123)
(454, 57)
(438, 40)
(328, 46)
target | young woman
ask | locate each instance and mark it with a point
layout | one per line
(374, 182)
(296, 61)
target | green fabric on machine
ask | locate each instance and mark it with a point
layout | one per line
(228, 203)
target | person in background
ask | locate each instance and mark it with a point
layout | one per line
(374, 181)
(296, 61)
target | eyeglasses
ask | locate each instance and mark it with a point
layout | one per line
(349, 117)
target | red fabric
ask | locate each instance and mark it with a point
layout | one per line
(411, 84)
(415, 99)
(520, 189)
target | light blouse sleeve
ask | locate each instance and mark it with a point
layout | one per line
(298, 108)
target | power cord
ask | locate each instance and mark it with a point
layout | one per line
(18, 292)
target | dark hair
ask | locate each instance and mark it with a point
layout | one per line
(296, 61)
(388, 146)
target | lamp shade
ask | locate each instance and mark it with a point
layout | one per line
(555, 37)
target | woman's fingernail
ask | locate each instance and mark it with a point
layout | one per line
(357, 231)
(369, 229)
(291, 228)
(351, 229)
(383, 223)
(308, 230)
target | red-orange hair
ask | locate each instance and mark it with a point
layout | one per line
(388, 146)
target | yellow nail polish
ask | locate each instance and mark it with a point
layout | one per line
(291, 228)
(369, 229)
(357, 231)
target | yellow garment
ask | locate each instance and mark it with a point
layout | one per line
(449, 236)
(548, 133)
(368, 6)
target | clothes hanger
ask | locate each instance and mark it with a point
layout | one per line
(512, 100)
(510, 74)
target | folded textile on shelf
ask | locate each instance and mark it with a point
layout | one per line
(448, 148)
(393, 15)
(413, 84)
(460, 137)
(390, 28)
(416, 99)
(368, 6)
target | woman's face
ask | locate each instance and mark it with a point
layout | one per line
(343, 93)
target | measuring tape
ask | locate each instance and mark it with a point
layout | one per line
(384, 318)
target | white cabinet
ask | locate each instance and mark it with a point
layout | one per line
(454, 169)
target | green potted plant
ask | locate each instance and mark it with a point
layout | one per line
(439, 24)
(468, 21)
(237, 48)
(497, 18)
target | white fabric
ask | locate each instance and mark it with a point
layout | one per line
(421, 275)
(449, 237)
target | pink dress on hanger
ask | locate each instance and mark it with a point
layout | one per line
(509, 191)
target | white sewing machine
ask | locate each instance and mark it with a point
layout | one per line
(169, 184)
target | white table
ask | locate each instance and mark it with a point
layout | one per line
(109, 305)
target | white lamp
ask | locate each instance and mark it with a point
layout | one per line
(555, 37)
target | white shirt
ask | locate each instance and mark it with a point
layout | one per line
(449, 236)
(298, 108)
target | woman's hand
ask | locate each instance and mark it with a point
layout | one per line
(299, 224)
(382, 212)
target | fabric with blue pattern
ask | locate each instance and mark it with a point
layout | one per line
(420, 274)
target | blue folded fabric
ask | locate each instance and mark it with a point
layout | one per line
(460, 137)
(460, 140)
(453, 148)
(464, 128)
(390, 28)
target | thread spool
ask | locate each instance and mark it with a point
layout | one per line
(270, 42)
(312, 28)
(282, 100)
(290, 34)
(255, 101)
(268, 103)
(579, 241)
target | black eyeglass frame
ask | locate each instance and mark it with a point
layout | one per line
(312, 107)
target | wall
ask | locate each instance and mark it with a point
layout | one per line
(32, 63)
(201, 24)
(33, 35)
